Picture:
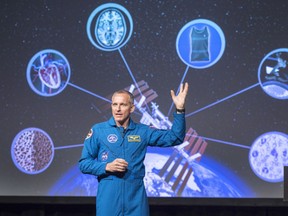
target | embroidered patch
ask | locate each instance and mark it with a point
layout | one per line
(112, 138)
(104, 156)
(134, 138)
(89, 134)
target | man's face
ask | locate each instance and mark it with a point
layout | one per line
(121, 109)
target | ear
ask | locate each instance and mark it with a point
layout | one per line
(132, 108)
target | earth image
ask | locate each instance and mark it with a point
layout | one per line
(202, 181)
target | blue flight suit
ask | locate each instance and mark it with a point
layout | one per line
(124, 193)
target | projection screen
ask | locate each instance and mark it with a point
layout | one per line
(62, 60)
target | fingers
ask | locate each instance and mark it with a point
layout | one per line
(121, 162)
(179, 99)
(184, 87)
(181, 88)
(172, 94)
(120, 165)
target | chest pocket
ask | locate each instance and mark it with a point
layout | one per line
(135, 146)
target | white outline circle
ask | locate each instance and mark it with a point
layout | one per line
(221, 36)
(13, 154)
(94, 13)
(30, 65)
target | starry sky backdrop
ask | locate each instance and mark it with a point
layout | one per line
(251, 28)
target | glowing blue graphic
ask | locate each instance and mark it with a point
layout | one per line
(32, 150)
(204, 182)
(268, 155)
(48, 72)
(207, 181)
(110, 28)
(273, 74)
(74, 182)
(107, 27)
(200, 44)
(209, 43)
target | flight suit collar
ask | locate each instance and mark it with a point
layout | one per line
(131, 125)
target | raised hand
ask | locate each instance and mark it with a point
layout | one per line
(179, 100)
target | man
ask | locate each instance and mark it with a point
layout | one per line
(114, 151)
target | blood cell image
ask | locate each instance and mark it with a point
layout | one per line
(32, 150)
(268, 155)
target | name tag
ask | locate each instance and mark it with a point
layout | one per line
(134, 138)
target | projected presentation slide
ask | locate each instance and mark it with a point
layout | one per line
(61, 61)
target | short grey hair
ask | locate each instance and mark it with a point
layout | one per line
(123, 91)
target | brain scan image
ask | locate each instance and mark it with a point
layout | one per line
(109, 27)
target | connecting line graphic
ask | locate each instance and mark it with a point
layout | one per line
(170, 110)
(130, 72)
(204, 138)
(182, 80)
(69, 146)
(225, 142)
(226, 98)
(89, 92)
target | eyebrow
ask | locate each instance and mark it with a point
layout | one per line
(122, 103)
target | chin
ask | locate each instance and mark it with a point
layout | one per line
(119, 120)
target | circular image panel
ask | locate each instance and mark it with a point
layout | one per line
(273, 74)
(32, 150)
(109, 27)
(200, 43)
(268, 155)
(48, 73)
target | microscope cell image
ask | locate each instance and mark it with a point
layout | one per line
(32, 151)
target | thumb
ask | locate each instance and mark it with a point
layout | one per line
(172, 93)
